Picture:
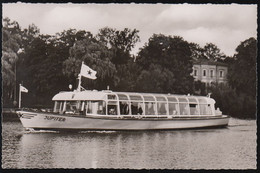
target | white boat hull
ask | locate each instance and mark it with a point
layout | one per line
(47, 121)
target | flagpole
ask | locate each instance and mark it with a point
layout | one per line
(79, 86)
(79, 77)
(19, 96)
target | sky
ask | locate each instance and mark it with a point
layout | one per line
(223, 25)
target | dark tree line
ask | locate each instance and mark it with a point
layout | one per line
(47, 64)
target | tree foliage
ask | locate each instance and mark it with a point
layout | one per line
(242, 73)
(96, 55)
(11, 42)
(119, 42)
(209, 52)
(174, 56)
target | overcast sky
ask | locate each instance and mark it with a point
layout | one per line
(224, 25)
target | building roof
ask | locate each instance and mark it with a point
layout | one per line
(208, 62)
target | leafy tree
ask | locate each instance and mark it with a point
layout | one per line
(230, 103)
(196, 51)
(173, 55)
(119, 42)
(97, 56)
(11, 43)
(212, 52)
(155, 79)
(242, 73)
(126, 77)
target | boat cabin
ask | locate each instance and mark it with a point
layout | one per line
(108, 103)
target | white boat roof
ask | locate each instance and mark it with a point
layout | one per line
(80, 95)
(102, 95)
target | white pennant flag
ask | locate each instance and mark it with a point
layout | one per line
(23, 89)
(87, 72)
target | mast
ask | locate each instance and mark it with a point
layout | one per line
(79, 85)
(79, 78)
(19, 106)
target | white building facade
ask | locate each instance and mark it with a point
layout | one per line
(210, 72)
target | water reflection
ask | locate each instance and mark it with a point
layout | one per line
(226, 148)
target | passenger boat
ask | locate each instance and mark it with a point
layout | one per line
(108, 110)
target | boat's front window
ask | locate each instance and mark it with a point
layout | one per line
(96, 107)
(57, 106)
(72, 107)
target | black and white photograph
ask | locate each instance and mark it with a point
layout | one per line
(139, 86)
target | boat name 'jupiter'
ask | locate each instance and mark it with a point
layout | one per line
(54, 118)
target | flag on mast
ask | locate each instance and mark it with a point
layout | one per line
(87, 72)
(23, 89)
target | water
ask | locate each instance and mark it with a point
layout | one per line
(233, 147)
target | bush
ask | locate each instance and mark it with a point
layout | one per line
(233, 104)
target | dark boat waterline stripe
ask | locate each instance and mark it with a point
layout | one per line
(111, 129)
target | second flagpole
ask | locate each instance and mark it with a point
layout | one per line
(19, 96)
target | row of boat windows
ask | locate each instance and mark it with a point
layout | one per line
(154, 98)
(131, 108)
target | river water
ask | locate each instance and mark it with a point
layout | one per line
(233, 147)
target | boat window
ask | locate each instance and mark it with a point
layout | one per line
(192, 100)
(137, 108)
(111, 97)
(172, 99)
(160, 98)
(184, 109)
(173, 109)
(182, 99)
(150, 108)
(96, 107)
(72, 107)
(202, 100)
(194, 109)
(57, 106)
(124, 107)
(205, 109)
(122, 97)
(112, 108)
(112, 102)
(135, 97)
(162, 108)
(149, 98)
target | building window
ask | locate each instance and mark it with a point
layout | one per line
(195, 72)
(211, 73)
(221, 73)
(204, 73)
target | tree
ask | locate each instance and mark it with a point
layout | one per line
(172, 54)
(97, 56)
(196, 51)
(119, 42)
(126, 76)
(242, 73)
(11, 43)
(212, 52)
(156, 79)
